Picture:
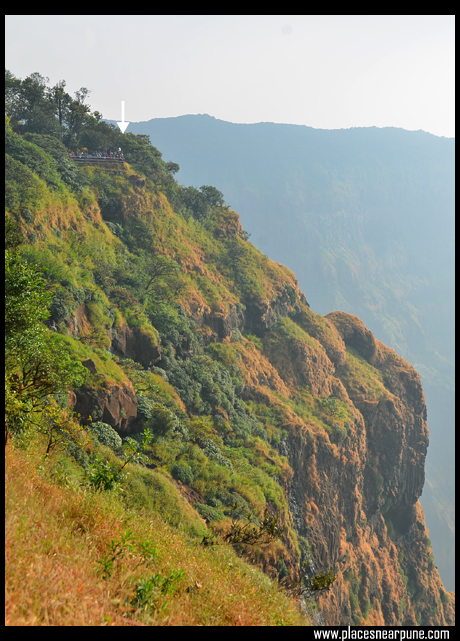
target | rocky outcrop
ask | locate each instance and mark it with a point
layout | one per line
(356, 478)
(301, 364)
(258, 371)
(356, 501)
(79, 324)
(324, 331)
(223, 322)
(90, 365)
(253, 314)
(355, 334)
(261, 315)
(135, 344)
(114, 404)
(228, 225)
(125, 342)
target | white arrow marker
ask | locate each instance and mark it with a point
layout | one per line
(123, 124)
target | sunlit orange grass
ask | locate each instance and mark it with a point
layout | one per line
(51, 544)
(54, 537)
(59, 212)
(257, 370)
(222, 590)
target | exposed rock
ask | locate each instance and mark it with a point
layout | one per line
(261, 315)
(355, 334)
(79, 324)
(72, 324)
(72, 399)
(185, 349)
(325, 333)
(222, 323)
(255, 315)
(188, 492)
(137, 345)
(257, 370)
(116, 405)
(357, 503)
(91, 365)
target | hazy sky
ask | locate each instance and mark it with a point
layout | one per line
(327, 72)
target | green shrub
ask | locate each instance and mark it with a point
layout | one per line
(157, 418)
(150, 590)
(232, 499)
(332, 406)
(236, 336)
(162, 421)
(182, 473)
(34, 157)
(365, 607)
(212, 451)
(23, 189)
(353, 592)
(105, 476)
(213, 502)
(106, 435)
(62, 306)
(67, 169)
(354, 602)
(283, 572)
(444, 598)
(403, 576)
(208, 513)
(338, 433)
(390, 527)
(256, 340)
(321, 582)
(28, 216)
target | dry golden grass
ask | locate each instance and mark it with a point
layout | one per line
(257, 370)
(55, 536)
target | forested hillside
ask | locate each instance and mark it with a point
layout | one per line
(365, 219)
(178, 418)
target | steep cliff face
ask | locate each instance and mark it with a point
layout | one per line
(355, 501)
(357, 473)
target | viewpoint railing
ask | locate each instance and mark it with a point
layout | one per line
(95, 159)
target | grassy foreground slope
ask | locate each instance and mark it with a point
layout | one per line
(57, 537)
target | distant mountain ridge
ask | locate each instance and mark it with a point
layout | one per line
(365, 218)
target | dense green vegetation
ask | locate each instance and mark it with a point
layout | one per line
(365, 218)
